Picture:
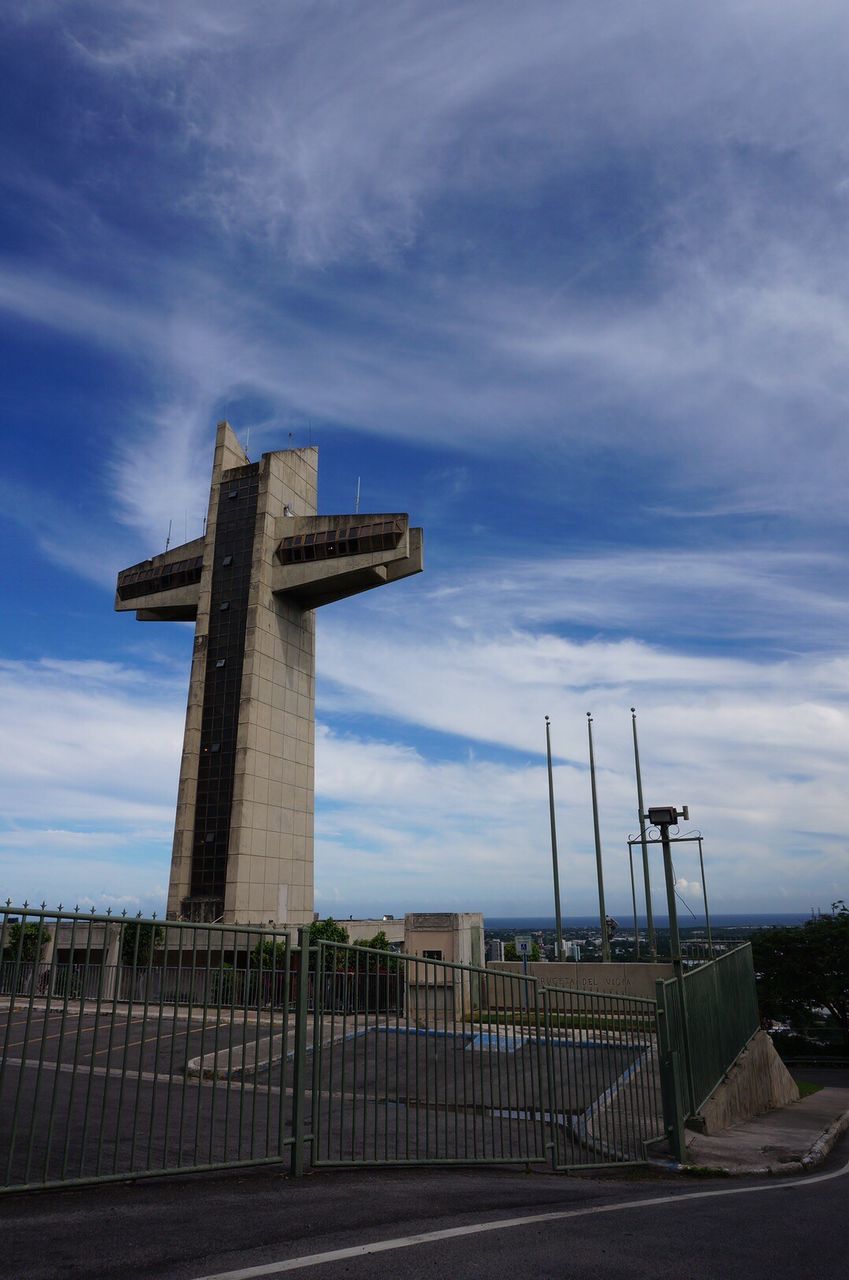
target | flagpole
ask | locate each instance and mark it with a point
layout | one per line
(605, 941)
(558, 923)
(644, 842)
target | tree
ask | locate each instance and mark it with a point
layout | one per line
(510, 952)
(384, 963)
(268, 955)
(35, 938)
(804, 970)
(327, 931)
(138, 940)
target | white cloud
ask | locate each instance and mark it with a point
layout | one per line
(88, 773)
(756, 746)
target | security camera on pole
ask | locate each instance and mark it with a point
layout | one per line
(663, 819)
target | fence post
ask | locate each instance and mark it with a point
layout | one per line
(670, 1080)
(300, 1056)
(551, 1131)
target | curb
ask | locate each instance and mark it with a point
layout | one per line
(817, 1153)
(825, 1142)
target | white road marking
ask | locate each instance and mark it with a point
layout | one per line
(505, 1224)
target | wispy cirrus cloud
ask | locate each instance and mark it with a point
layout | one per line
(530, 243)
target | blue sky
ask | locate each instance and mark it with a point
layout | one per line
(566, 281)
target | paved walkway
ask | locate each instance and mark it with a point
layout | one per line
(790, 1140)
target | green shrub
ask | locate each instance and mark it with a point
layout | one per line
(138, 939)
(35, 939)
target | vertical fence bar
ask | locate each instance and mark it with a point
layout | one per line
(407, 1042)
(284, 1046)
(116, 985)
(25, 1045)
(192, 1000)
(395, 970)
(299, 1067)
(57, 1077)
(319, 999)
(204, 984)
(127, 1027)
(670, 1078)
(355, 1050)
(229, 981)
(7, 1026)
(256, 1005)
(218, 993)
(104, 972)
(150, 934)
(178, 988)
(343, 1064)
(66, 1148)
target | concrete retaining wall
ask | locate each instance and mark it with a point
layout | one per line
(615, 979)
(756, 1082)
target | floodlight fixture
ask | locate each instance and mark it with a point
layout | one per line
(667, 816)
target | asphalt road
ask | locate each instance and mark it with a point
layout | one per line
(647, 1226)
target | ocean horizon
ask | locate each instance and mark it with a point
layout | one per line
(723, 920)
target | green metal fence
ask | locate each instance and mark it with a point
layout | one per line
(722, 1017)
(130, 1048)
(459, 1064)
(127, 1047)
(604, 1100)
(410, 1074)
(709, 1028)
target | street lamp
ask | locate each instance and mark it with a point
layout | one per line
(663, 818)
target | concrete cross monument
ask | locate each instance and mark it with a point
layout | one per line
(243, 841)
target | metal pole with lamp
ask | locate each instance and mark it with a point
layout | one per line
(663, 819)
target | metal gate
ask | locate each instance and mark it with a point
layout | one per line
(421, 1061)
(131, 1048)
(605, 1100)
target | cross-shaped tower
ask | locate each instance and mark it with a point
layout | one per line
(243, 842)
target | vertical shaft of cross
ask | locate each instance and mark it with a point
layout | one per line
(243, 842)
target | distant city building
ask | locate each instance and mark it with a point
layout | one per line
(495, 949)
